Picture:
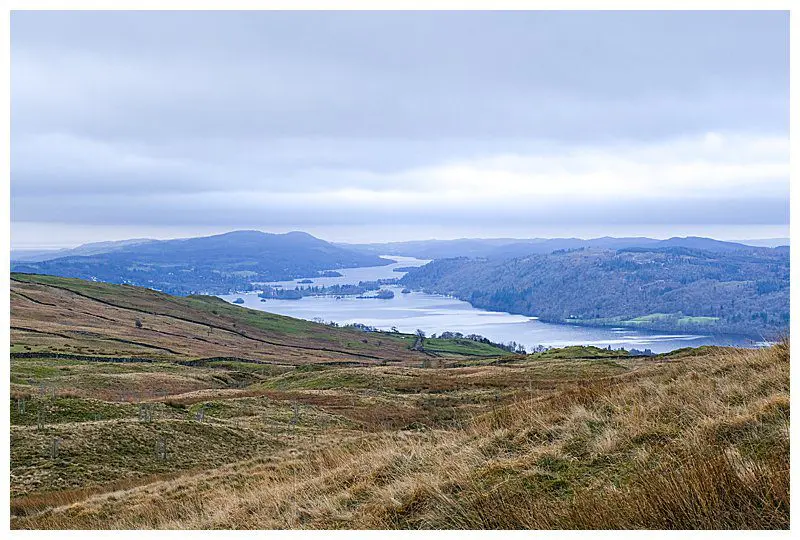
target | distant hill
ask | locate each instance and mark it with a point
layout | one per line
(507, 248)
(665, 287)
(94, 248)
(435, 249)
(212, 264)
(765, 242)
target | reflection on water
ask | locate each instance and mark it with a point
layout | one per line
(436, 314)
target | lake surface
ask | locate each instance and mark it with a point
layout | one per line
(436, 314)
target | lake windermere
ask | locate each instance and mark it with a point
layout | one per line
(436, 314)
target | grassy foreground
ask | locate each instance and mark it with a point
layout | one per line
(700, 441)
(563, 439)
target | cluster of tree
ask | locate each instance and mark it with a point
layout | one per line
(362, 327)
(320, 320)
(331, 290)
(511, 346)
(282, 294)
(739, 292)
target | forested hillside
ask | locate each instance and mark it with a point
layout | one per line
(213, 264)
(673, 289)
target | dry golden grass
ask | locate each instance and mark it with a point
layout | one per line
(700, 441)
(85, 318)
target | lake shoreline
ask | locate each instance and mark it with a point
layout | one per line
(436, 313)
(653, 327)
(757, 340)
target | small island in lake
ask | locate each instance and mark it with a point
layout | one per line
(405, 291)
(304, 281)
(239, 301)
(330, 273)
(281, 294)
(385, 294)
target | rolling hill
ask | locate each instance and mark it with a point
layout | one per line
(509, 248)
(92, 248)
(669, 288)
(99, 320)
(208, 415)
(212, 264)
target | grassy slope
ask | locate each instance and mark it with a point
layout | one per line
(93, 318)
(460, 347)
(572, 438)
(698, 441)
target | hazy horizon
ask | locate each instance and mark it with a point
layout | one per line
(378, 127)
(190, 234)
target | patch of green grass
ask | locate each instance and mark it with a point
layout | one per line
(67, 409)
(698, 320)
(265, 370)
(321, 380)
(579, 351)
(29, 348)
(664, 317)
(653, 317)
(465, 347)
(652, 320)
(91, 454)
(37, 372)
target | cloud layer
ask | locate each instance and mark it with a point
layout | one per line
(452, 120)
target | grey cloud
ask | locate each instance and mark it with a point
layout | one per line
(145, 117)
(212, 209)
(562, 75)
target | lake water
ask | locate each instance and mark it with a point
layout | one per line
(436, 314)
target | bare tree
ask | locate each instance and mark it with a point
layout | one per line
(54, 447)
(419, 341)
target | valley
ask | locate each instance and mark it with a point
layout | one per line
(210, 415)
(630, 292)
(505, 268)
(436, 313)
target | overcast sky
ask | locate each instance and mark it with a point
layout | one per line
(391, 126)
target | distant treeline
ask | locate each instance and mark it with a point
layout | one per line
(331, 290)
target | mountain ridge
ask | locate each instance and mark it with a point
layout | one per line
(217, 263)
(506, 248)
